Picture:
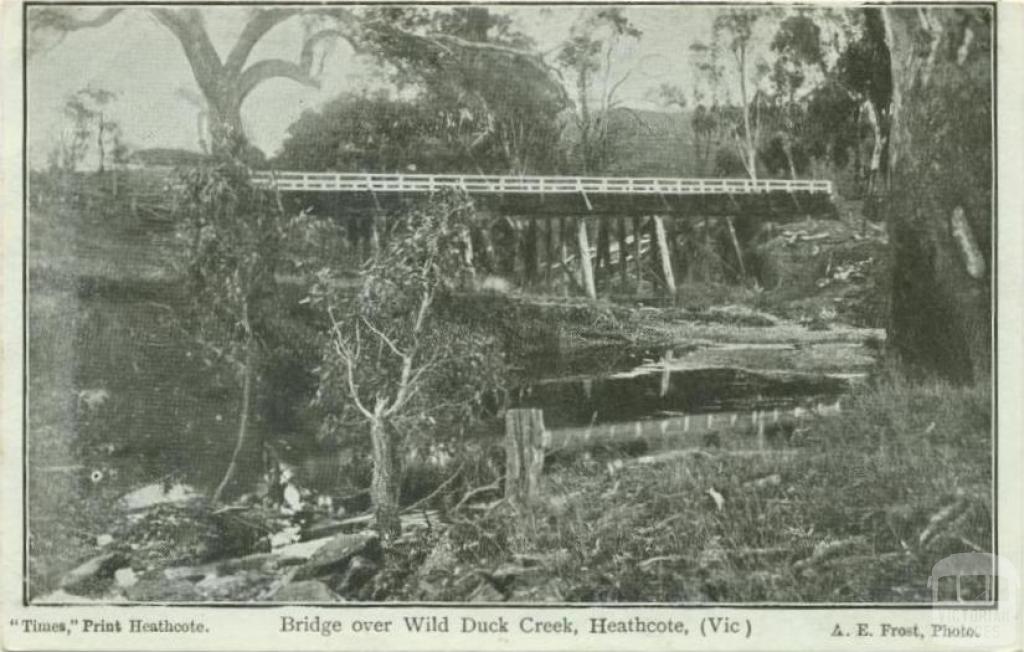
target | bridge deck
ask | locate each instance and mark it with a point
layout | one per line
(534, 185)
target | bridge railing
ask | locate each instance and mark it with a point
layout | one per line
(484, 184)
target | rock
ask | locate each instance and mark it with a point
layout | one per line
(485, 592)
(125, 577)
(360, 570)
(285, 537)
(104, 540)
(186, 573)
(302, 550)
(334, 556)
(305, 591)
(94, 574)
(551, 590)
(154, 494)
(162, 590)
(241, 587)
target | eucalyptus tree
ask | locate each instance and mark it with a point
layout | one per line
(226, 83)
(940, 209)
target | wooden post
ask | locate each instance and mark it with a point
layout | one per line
(637, 252)
(524, 454)
(488, 246)
(604, 246)
(623, 254)
(531, 251)
(586, 267)
(665, 256)
(549, 249)
(736, 248)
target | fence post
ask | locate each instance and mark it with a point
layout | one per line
(524, 454)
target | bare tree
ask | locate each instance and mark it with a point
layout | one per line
(733, 37)
(589, 55)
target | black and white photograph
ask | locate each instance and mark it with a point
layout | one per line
(510, 304)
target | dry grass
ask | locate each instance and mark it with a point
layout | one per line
(862, 509)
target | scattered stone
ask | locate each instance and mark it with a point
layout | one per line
(359, 572)
(335, 555)
(241, 587)
(305, 591)
(161, 590)
(303, 549)
(125, 577)
(155, 494)
(94, 574)
(285, 537)
(486, 592)
(772, 480)
(186, 573)
(104, 540)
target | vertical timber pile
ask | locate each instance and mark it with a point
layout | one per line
(524, 455)
(623, 253)
(664, 257)
(939, 212)
(586, 267)
(638, 252)
(530, 252)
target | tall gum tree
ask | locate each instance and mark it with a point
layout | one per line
(226, 83)
(940, 208)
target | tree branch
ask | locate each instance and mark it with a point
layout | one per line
(261, 71)
(61, 19)
(188, 27)
(260, 22)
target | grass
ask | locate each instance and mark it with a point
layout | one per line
(859, 512)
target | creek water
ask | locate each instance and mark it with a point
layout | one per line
(630, 400)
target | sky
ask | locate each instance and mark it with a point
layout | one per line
(138, 59)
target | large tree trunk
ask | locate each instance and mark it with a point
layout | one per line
(227, 136)
(940, 207)
(385, 486)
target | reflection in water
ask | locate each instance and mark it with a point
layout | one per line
(656, 393)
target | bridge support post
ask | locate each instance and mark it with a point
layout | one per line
(664, 255)
(623, 253)
(638, 252)
(531, 252)
(524, 455)
(736, 247)
(586, 266)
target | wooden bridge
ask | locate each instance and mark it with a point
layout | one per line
(535, 225)
(563, 195)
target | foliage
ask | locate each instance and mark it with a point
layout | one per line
(85, 111)
(400, 311)
(378, 133)
(495, 96)
(234, 233)
(589, 54)
(391, 366)
(730, 57)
